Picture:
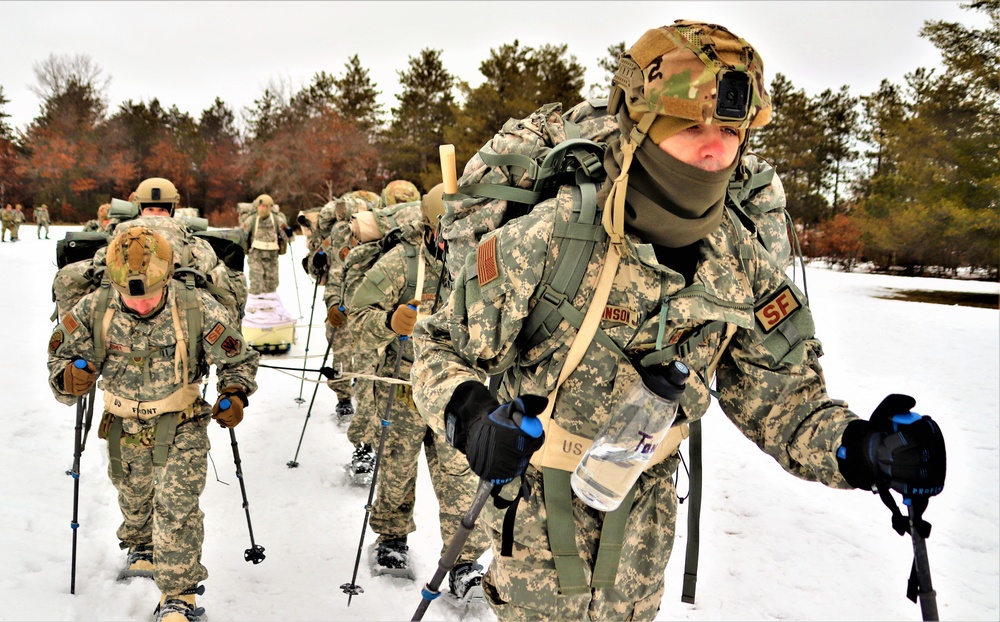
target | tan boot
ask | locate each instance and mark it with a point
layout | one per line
(179, 607)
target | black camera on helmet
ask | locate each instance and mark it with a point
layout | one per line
(733, 97)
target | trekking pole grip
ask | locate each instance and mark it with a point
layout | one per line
(448, 174)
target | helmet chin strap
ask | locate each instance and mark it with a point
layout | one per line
(614, 207)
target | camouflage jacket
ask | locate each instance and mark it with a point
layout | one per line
(41, 216)
(7, 216)
(770, 382)
(383, 288)
(270, 230)
(140, 362)
(336, 246)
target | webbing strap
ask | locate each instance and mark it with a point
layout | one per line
(609, 551)
(190, 306)
(694, 514)
(166, 429)
(115, 447)
(562, 533)
(682, 348)
(100, 347)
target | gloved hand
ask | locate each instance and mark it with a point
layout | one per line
(896, 448)
(497, 440)
(335, 316)
(228, 409)
(319, 263)
(79, 376)
(289, 233)
(404, 318)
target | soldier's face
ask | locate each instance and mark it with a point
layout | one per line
(144, 304)
(155, 211)
(709, 147)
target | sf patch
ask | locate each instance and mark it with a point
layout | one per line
(56, 340)
(777, 309)
(214, 334)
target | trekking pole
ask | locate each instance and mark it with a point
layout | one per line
(295, 276)
(921, 567)
(532, 427)
(255, 553)
(84, 416)
(293, 463)
(327, 372)
(352, 588)
(305, 358)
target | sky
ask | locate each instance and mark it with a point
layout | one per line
(188, 53)
(772, 547)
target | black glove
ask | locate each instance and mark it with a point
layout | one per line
(499, 441)
(896, 448)
(289, 233)
(319, 262)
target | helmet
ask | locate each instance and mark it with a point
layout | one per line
(689, 73)
(431, 205)
(157, 192)
(399, 191)
(102, 211)
(139, 261)
(265, 200)
(348, 205)
(370, 199)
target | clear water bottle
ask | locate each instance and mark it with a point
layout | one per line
(626, 443)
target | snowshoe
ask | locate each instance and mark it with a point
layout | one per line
(180, 608)
(392, 557)
(139, 562)
(345, 411)
(362, 465)
(465, 585)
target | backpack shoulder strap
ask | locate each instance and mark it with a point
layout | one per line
(413, 260)
(190, 307)
(100, 309)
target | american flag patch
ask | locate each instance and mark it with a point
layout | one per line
(486, 261)
(69, 323)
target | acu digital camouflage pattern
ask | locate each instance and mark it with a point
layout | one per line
(772, 387)
(336, 246)
(383, 288)
(42, 218)
(142, 365)
(467, 218)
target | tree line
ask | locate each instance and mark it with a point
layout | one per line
(905, 177)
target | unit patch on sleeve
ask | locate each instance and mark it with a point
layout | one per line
(486, 261)
(232, 346)
(215, 333)
(70, 323)
(777, 309)
(56, 340)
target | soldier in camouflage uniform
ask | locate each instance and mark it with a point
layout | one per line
(42, 218)
(137, 336)
(267, 237)
(363, 431)
(18, 221)
(384, 309)
(7, 217)
(691, 282)
(328, 265)
(101, 222)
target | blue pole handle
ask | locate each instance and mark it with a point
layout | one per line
(224, 403)
(80, 364)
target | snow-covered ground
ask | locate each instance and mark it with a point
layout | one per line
(773, 547)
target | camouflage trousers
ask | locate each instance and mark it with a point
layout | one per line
(525, 586)
(159, 504)
(43, 225)
(263, 269)
(13, 231)
(342, 351)
(366, 422)
(454, 482)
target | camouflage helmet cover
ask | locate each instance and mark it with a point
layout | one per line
(675, 72)
(349, 205)
(139, 262)
(399, 191)
(432, 206)
(370, 199)
(264, 199)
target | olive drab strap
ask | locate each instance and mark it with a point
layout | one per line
(190, 306)
(100, 326)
